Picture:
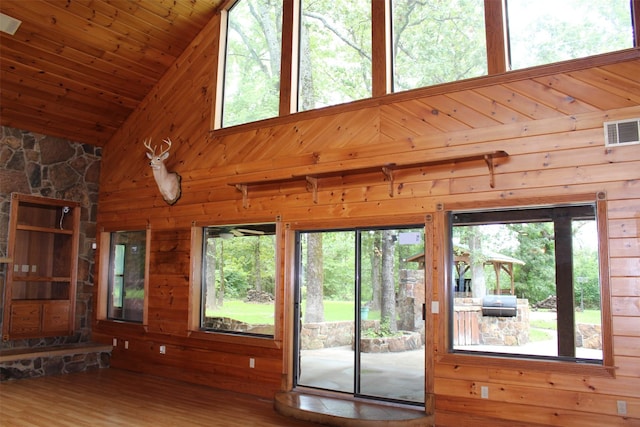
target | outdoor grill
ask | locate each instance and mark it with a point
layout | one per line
(499, 305)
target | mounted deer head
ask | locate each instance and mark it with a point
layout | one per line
(168, 182)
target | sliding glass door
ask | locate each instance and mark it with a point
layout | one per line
(359, 305)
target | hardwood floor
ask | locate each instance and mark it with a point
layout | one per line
(113, 397)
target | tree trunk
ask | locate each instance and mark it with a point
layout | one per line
(258, 268)
(210, 294)
(376, 274)
(388, 314)
(315, 280)
(476, 259)
(221, 291)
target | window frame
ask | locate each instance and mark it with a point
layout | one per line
(445, 351)
(198, 242)
(105, 276)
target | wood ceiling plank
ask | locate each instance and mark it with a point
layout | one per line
(184, 30)
(104, 15)
(56, 126)
(56, 112)
(127, 91)
(127, 48)
(46, 93)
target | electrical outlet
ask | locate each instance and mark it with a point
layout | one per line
(115, 342)
(126, 345)
(252, 362)
(622, 407)
(484, 392)
(34, 268)
(163, 349)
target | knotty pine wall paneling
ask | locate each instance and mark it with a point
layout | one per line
(548, 119)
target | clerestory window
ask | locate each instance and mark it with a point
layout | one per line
(547, 31)
(251, 87)
(332, 47)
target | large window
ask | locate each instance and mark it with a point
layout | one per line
(335, 52)
(546, 31)
(126, 281)
(526, 282)
(332, 47)
(252, 61)
(238, 279)
(437, 42)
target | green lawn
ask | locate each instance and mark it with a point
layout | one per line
(255, 314)
(587, 316)
(264, 313)
(343, 310)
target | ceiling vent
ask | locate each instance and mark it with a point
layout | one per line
(8, 24)
(622, 132)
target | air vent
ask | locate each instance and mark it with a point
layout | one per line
(622, 132)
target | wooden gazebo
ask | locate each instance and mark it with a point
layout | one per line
(462, 264)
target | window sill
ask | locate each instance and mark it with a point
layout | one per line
(245, 340)
(520, 363)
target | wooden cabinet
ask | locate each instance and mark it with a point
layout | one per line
(41, 275)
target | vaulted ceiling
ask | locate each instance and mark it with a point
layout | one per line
(77, 68)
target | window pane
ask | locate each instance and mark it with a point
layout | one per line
(335, 52)
(546, 31)
(239, 276)
(437, 42)
(126, 278)
(252, 62)
(512, 259)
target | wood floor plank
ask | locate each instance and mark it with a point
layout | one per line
(113, 397)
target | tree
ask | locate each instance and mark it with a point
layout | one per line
(536, 247)
(376, 271)
(388, 313)
(315, 279)
(477, 260)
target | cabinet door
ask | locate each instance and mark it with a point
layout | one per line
(25, 318)
(55, 316)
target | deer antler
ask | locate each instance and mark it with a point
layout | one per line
(147, 143)
(168, 142)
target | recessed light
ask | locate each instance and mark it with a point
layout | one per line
(8, 24)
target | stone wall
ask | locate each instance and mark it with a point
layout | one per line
(490, 330)
(40, 165)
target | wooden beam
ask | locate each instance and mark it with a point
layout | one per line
(495, 18)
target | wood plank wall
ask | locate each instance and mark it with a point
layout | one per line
(549, 120)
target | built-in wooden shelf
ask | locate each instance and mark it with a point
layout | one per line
(41, 275)
(388, 169)
(44, 229)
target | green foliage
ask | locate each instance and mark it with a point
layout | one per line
(437, 42)
(252, 68)
(535, 280)
(244, 261)
(382, 331)
(547, 31)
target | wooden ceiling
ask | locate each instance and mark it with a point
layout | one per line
(77, 68)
